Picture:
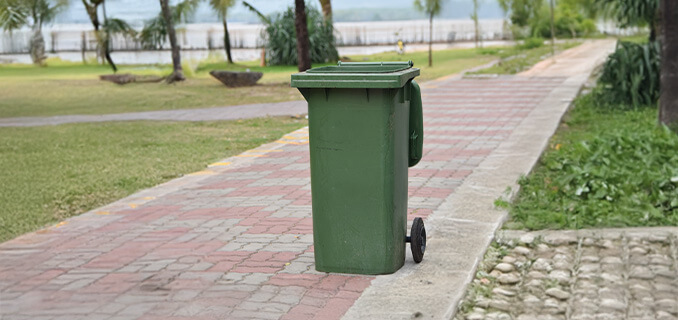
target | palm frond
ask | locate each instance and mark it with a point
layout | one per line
(630, 12)
(118, 26)
(263, 18)
(46, 10)
(221, 6)
(431, 7)
(154, 33)
(183, 11)
(13, 15)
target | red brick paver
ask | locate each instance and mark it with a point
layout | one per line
(235, 241)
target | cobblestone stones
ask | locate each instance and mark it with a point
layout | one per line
(587, 274)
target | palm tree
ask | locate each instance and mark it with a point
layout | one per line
(221, 7)
(103, 32)
(158, 29)
(432, 8)
(668, 100)
(303, 42)
(15, 14)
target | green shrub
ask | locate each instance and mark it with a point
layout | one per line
(631, 74)
(281, 40)
(489, 51)
(588, 26)
(568, 23)
(531, 43)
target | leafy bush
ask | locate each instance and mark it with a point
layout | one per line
(631, 74)
(531, 43)
(608, 169)
(281, 40)
(532, 18)
(632, 13)
(568, 23)
(492, 51)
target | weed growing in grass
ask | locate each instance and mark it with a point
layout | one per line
(605, 169)
(503, 202)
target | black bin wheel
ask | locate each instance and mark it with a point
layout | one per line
(418, 239)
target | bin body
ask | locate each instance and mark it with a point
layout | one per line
(359, 144)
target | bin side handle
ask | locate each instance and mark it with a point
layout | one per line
(416, 130)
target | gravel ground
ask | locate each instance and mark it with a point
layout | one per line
(585, 274)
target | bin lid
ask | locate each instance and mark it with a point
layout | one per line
(357, 75)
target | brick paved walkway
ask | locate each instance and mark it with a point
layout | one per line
(235, 240)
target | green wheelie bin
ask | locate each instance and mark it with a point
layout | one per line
(365, 130)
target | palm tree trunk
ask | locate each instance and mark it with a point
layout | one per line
(92, 12)
(303, 42)
(107, 43)
(37, 46)
(227, 41)
(430, 40)
(475, 22)
(477, 32)
(668, 100)
(178, 74)
(107, 54)
(326, 6)
(553, 34)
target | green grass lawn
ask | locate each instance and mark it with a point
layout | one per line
(69, 88)
(605, 168)
(54, 172)
(75, 89)
(445, 62)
